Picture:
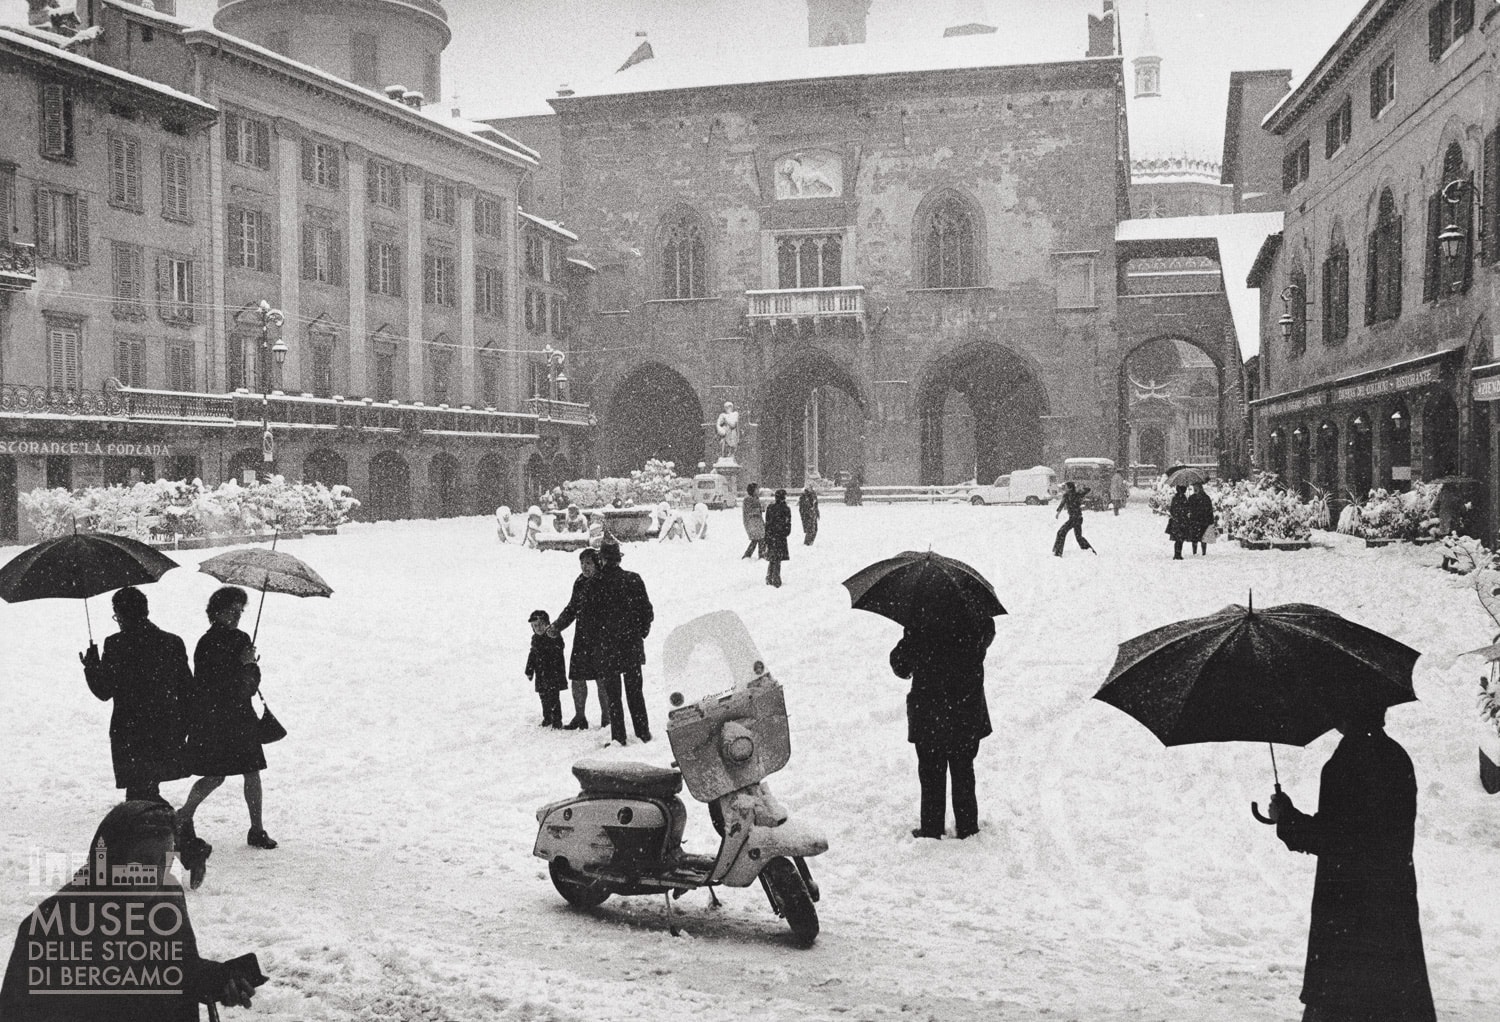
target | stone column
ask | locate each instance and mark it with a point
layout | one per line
(288, 164)
(1380, 445)
(465, 392)
(1420, 469)
(357, 381)
(416, 345)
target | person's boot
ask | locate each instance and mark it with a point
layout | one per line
(193, 851)
(258, 838)
(576, 724)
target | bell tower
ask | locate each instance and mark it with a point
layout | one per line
(374, 43)
(836, 22)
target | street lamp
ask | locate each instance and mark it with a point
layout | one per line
(269, 316)
(555, 359)
(1452, 238)
(1290, 293)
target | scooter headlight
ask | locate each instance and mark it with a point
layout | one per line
(736, 743)
(625, 815)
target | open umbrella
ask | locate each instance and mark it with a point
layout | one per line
(80, 565)
(1285, 674)
(921, 589)
(1186, 475)
(270, 571)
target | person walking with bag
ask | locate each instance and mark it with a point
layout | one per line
(224, 736)
(778, 529)
(807, 510)
(755, 523)
(1071, 501)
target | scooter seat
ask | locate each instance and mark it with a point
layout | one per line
(612, 777)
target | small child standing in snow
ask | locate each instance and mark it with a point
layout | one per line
(545, 667)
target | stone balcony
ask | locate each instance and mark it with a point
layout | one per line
(568, 413)
(809, 311)
(17, 267)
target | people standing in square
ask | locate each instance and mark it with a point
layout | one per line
(545, 667)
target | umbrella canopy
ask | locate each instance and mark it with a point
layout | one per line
(1186, 475)
(270, 571)
(1285, 674)
(81, 565)
(923, 589)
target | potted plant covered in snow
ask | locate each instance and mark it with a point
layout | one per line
(1263, 515)
(1391, 516)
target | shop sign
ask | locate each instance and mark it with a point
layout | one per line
(85, 448)
(1390, 384)
(1487, 389)
(1298, 404)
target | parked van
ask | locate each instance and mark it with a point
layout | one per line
(712, 489)
(1096, 474)
(1023, 486)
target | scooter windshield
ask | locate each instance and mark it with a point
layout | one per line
(711, 653)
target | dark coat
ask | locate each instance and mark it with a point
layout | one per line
(1200, 514)
(778, 528)
(223, 734)
(1364, 947)
(750, 511)
(145, 671)
(624, 614)
(1071, 501)
(586, 636)
(544, 665)
(945, 710)
(1180, 519)
(807, 510)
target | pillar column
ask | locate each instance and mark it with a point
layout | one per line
(465, 393)
(1380, 446)
(1420, 467)
(288, 162)
(415, 329)
(358, 377)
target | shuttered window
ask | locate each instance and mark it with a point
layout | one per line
(489, 219)
(383, 184)
(124, 171)
(439, 202)
(1448, 21)
(322, 254)
(176, 288)
(57, 122)
(1383, 264)
(64, 356)
(176, 196)
(320, 163)
(130, 361)
(1383, 85)
(129, 280)
(1336, 295)
(438, 284)
(489, 291)
(247, 141)
(62, 226)
(383, 268)
(179, 366)
(322, 366)
(249, 243)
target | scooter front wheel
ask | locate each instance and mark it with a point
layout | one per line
(791, 899)
(577, 889)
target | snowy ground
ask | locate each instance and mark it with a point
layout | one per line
(1113, 878)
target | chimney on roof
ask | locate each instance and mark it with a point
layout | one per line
(38, 13)
(968, 18)
(413, 99)
(1102, 32)
(641, 52)
(565, 90)
(394, 92)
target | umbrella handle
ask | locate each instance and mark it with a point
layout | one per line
(1255, 811)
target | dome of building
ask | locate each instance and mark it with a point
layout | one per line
(374, 43)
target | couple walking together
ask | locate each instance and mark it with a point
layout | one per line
(614, 615)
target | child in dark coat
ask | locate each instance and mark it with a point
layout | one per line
(545, 666)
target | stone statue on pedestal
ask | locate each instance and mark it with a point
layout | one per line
(729, 431)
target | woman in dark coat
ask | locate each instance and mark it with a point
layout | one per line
(1180, 522)
(946, 716)
(1364, 947)
(807, 510)
(624, 615)
(1201, 515)
(145, 671)
(135, 836)
(223, 729)
(778, 528)
(581, 666)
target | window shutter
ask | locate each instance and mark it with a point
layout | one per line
(262, 132)
(80, 239)
(309, 254)
(1375, 90)
(193, 288)
(237, 253)
(232, 138)
(1398, 257)
(429, 279)
(163, 289)
(398, 187)
(42, 213)
(1465, 214)
(309, 161)
(1490, 197)
(372, 267)
(372, 182)
(398, 271)
(333, 167)
(1327, 300)
(336, 258)
(1463, 17)
(1431, 273)
(268, 252)
(1372, 275)
(54, 135)
(132, 172)
(1288, 178)
(450, 205)
(1435, 30)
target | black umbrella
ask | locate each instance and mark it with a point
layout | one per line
(1286, 674)
(81, 565)
(923, 589)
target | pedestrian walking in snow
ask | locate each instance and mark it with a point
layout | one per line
(755, 523)
(778, 529)
(544, 666)
(1364, 946)
(145, 671)
(1119, 491)
(854, 494)
(1200, 516)
(946, 716)
(223, 732)
(1180, 528)
(582, 667)
(1071, 501)
(807, 510)
(624, 615)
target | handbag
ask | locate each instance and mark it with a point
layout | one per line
(1210, 534)
(269, 729)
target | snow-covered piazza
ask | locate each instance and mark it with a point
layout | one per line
(1111, 878)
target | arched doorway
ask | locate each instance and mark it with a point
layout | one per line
(1301, 459)
(390, 487)
(492, 483)
(1399, 446)
(1440, 436)
(653, 413)
(327, 467)
(812, 422)
(1171, 387)
(1276, 453)
(246, 459)
(444, 488)
(182, 468)
(994, 426)
(535, 480)
(562, 470)
(129, 471)
(1361, 444)
(8, 499)
(1328, 458)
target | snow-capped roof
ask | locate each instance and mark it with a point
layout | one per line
(548, 225)
(54, 52)
(1239, 237)
(444, 116)
(1359, 32)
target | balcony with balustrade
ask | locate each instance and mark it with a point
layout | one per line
(17, 267)
(807, 311)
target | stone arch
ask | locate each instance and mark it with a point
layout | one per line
(1001, 424)
(492, 482)
(535, 480)
(948, 240)
(390, 487)
(653, 412)
(246, 458)
(1327, 454)
(444, 486)
(562, 469)
(327, 466)
(1360, 446)
(811, 420)
(1181, 387)
(682, 253)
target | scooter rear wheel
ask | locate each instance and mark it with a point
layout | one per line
(791, 899)
(578, 890)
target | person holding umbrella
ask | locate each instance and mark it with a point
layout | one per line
(778, 529)
(223, 731)
(1200, 508)
(1180, 523)
(1364, 946)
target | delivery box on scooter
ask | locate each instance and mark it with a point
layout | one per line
(727, 741)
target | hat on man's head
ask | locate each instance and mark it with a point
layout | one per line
(540, 615)
(609, 552)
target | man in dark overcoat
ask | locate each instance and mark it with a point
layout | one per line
(808, 511)
(145, 671)
(582, 668)
(946, 715)
(1200, 516)
(1364, 946)
(624, 616)
(1180, 522)
(778, 529)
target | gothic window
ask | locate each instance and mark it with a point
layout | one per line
(804, 261)
(683, 258)
(1336, 294)
(948, 239)
(1383, 263)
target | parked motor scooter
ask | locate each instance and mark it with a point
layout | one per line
(622, 834)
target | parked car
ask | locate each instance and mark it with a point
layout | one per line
(1023, 486)
(712, 489)
(1096, 474)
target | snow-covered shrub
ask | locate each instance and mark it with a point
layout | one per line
(1464, 555)
(51, 512)
(1391, 514)
(1260, 508)
(657, 482)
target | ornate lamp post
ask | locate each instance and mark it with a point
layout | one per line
(1289, 294)
(269, 316)
(1452, 238)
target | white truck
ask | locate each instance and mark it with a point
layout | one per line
(1023, 486)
